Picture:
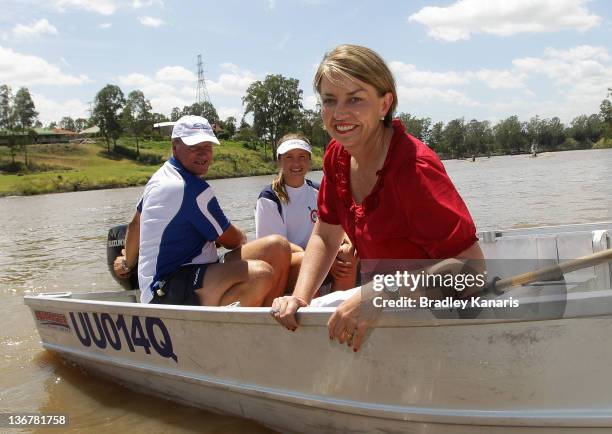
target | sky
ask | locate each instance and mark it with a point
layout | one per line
(469, 58)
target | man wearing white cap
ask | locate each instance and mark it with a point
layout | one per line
(175, 228)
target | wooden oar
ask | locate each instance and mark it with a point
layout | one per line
(554, 272)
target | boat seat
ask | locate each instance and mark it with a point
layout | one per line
(508, 255)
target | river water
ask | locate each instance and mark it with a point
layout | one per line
(57, 243)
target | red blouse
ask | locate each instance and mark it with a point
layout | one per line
(413, 211)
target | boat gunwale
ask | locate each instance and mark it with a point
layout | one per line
(308, 316)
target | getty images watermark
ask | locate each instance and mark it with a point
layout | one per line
(442, 284)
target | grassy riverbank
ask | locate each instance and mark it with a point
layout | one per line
(73, 167)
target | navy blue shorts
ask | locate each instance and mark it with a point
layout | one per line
(180, 286)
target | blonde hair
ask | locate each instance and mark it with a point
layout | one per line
(361, 63)
(278, 184)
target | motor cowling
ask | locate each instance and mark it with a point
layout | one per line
(115, 243)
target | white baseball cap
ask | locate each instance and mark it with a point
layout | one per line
(193, 130)
(288, 145)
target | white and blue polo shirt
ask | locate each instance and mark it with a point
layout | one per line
(179, 223)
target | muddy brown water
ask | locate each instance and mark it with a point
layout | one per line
(57, 243)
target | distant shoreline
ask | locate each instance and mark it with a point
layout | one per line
(66, 167)
(90, 171)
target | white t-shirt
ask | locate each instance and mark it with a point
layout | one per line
(297, 218)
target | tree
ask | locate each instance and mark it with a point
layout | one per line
(606, 114)
(534, 131)
(275, 104)
(158, 117)
(175, 114)
(454, 136)
(136, 116)
(418, 127)
(227, 128)
(436, 138)
(107, 111)
(230, 125)
(6, 112)
(478, 137)
(25, 115)
(509, 135)
(24, 110)
(204, 109)
(52, 125)
(80, 124)
(311, 125)
(243, 124)
(586, 130)
(67, 123)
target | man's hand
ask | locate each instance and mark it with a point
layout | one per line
(232, 238)
(120, 266)
(284, 309)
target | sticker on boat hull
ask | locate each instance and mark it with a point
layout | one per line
(104, 331)
(53, 320)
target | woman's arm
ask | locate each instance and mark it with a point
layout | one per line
(320, 253)
(355, 315)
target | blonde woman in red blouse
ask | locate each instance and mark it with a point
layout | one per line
(387, 190)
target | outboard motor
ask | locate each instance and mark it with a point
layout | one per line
(114, 245)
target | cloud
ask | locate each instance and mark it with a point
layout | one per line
(102, 7)
(580, 74)
(226, 112)
(52, 110)
(34, 30)
(175, 73)
(105, 25)
(409, 75)
(466, 17)
(175, 86)
(19, 69)
(232, 81)
(163, 96)
(136, 80)
(582, 52)
(419, 94)
(151, 21)
(575, 66)
(579, 77)
(310, 102)
(500, 79)
(138, 4)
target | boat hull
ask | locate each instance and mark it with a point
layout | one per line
(415, 373)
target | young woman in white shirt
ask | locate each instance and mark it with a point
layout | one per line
(288, 207)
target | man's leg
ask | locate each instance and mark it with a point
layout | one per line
(245, 281)
(273, 249)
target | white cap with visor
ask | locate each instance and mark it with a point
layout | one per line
(193, 130)
(291, 144)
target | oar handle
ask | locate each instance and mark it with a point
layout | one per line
(554, 272)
